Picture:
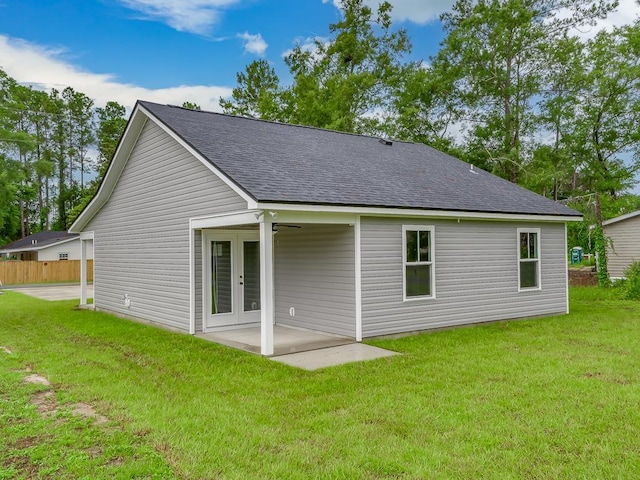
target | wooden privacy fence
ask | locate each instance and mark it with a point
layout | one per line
(16, 272)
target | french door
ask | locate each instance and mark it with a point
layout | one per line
(231, 278)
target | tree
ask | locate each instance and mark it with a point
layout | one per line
(422, 109)
(605, 133)
(339, 84)
(191, 106)
(257, 93)
(111, 124)
(497, 52)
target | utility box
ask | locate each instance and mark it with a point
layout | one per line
(576, 255)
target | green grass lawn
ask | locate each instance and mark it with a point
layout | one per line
(546, 398)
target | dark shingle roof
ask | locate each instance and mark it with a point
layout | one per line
(42, 239)
(275, 162)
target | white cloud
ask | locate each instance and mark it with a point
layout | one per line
(195, 16)
(45, 68)
(308, 44)
(253, 43)
(416, 11)
(625, 14)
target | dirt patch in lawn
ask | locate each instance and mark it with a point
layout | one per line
(6, 349)
(87, 411)
(46, 403)
(36, 379)
(48, 406)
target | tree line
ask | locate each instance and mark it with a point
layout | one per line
(54, 148)
(513, 89)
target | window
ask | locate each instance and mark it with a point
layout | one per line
(529, 259)
(63, 256)
(418, 262)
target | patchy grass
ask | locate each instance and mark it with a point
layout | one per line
(545, 398)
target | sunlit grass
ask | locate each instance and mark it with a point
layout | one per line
(546, 398)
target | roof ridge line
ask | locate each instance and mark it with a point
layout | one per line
(299, 125)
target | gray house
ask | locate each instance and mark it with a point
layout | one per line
(624, 246)
(45, 246)
(207, 222)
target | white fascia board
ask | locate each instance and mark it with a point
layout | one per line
(111, 177)
(251, 203)
(86, 235)
(347, 218)
(226, 219)
(406, 212)
(621, 218)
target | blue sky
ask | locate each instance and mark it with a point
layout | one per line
(175, 50)
(172, 50)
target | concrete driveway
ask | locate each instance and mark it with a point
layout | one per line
(53, 292)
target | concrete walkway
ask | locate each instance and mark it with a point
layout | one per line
(332, 356)
(53, 292)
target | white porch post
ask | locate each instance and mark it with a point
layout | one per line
(84, 238)
(266, 286)
(83, 271)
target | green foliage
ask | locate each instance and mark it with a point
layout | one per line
(257, 94)
(632, 281)
(191, 106)
(337, 82)
(111, 125)
(600, 248)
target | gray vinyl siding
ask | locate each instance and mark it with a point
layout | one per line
(142, 233)
(476, 275)
(625, 245)
(315, 274)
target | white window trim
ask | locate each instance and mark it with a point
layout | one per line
(539, 259)
(60, 254)
(424, 228)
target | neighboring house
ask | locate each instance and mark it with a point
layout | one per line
(623, 247)
(46, 246)
(207, 221)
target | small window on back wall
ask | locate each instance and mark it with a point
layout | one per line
(63, 256)
(418, 262)
(529, 259)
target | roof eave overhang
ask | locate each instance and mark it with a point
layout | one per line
(621, 218)
(139, 117)
(131, 133)
(412, 212)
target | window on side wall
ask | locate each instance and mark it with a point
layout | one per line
(63, 256)
(528, 259)
(418, 260)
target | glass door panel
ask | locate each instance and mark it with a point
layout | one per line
(251, 275)
(221, 271)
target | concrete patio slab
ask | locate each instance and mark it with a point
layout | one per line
(286, 339)
(54, 292)
(332, 356)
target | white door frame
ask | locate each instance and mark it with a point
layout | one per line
(236, 318)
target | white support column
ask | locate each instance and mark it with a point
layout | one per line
(266, 286)
(358, 277)
(192, 281)
(83, 271)
(84, 238)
